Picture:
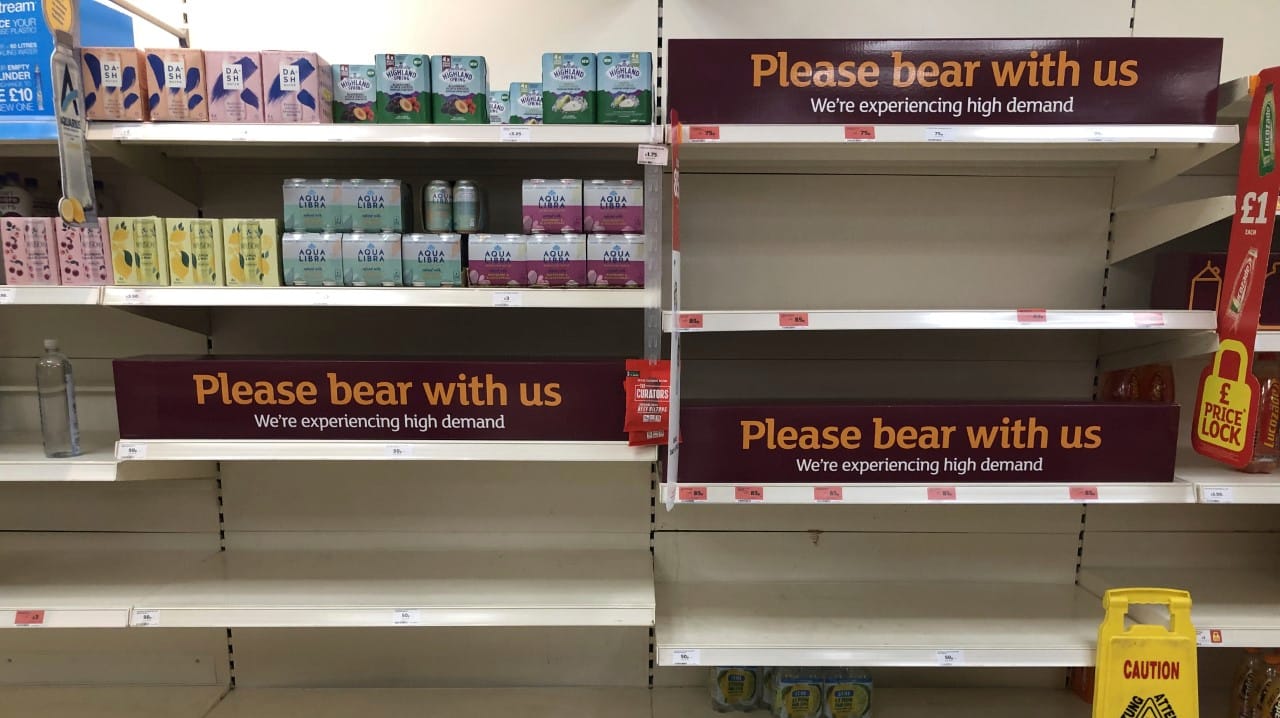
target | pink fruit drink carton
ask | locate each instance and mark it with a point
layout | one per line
(82, 254)
(552, 206)
(496, 260)
(298, 87)
(176, 86)
(235, 86)
(30, 256)
(556, 260)
(114, 83)
(613, 206)
(615, 260)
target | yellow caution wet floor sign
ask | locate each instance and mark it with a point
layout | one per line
(1146, 671)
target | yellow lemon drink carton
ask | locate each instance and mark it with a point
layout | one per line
(195, 251)
(251, 252)
(846, 694)
(798, 693)
(139, 254)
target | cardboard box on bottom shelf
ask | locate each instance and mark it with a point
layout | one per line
(29, 252)
(1195, 280)
(139, 251)
(251, 252)
(937, 443)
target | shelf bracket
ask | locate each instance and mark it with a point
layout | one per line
(1135, 180)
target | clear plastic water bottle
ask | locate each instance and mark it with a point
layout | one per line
(57, 390)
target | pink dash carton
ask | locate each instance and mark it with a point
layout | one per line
(235, 85)
(175, 81)
(30, 256)
(298, 86)
(82, 254)
(552, 206)
(114, 83)
(615, 260)
(613, 206)
(556, 260)
(496, 260)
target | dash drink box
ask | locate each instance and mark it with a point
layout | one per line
(1196, 281)
(1080, 442)
(215, 397)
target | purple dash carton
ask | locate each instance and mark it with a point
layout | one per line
(556, 260)
(496, 260)
(552, 206)
(298, 87)
(613, 206)
(615, 260)
(235, 86)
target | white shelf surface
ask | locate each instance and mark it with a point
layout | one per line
(305, 589)
(16, 294)
(414, 702)
(110, 701)
(912, 702)
(211, 133)
(372, 297)
(925, 319)
(1180, 346)
(877, 624)
(146, 450)
(22, 459)
(1174, 492)
(1243, 605)
(1220, 484)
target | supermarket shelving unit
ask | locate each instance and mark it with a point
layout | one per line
(254, 579)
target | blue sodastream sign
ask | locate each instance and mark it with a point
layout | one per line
(26, 93)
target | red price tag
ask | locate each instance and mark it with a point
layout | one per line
(1149, 319)
(793, 320)
(941, 493)
(826, 494)
(693, 493)
(1032, 316)
(28, 618)
(690, 321)
(704, 133)
(859, 133)
(1083, 493)
(748, 494)
(1215, 635)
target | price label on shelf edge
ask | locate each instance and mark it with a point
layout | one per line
(748, 494)
(686, 657)
(652, 155)
(704, 133)
(953, 657)
(692, 493)
(399, 451)
(127, 450)
(941, 493)
(689, 320)
(1208, 636)
(939, 134)
(1083, 493)
(6, 296)
(828, 494)
(793, 320)
(28, 618)
(144, 617)
(1032, 316)
(508, 299)
(859, 133)
(1217, 495)
(515, 133)
(406, 617)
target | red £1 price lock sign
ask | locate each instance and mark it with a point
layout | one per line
(1226, 412)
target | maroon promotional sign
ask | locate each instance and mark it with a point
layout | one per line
(1129, 80)
(948, 443)
(264, 398)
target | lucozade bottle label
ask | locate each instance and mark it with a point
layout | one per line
(1146, 671)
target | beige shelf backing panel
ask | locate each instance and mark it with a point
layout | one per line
(904, 702)
(179, 506)
(107, 657)
(873, 519)
(111, 701)
(456, 657)
(413, 702)
(459, 499)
